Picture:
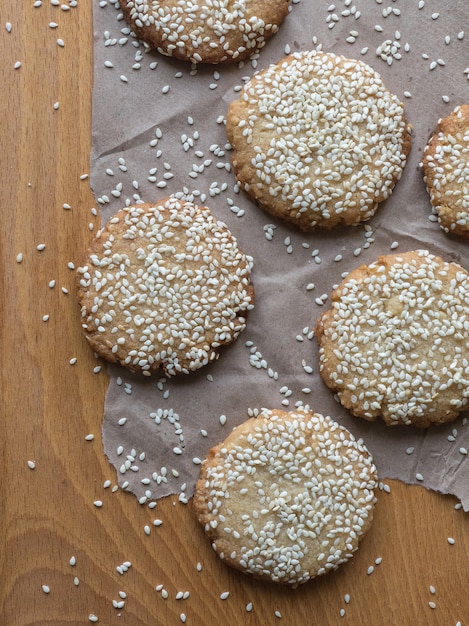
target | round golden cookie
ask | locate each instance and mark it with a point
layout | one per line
(318, 140)
(164, 286)
(287, 496)
(209, 31)
(445, 166)
(395, 342)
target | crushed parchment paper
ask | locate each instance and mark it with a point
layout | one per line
(158, 129)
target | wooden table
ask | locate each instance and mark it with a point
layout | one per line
(52, 404)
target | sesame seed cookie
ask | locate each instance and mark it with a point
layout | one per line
(318, 140)
(211, 31)
(445, 166)
(164, 286)
(287, 496)
(395, 342)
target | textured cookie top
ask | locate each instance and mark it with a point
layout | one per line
(211, 31)
(395, 342)
(445, 165)
(163, 286)
(318, 139)
(287, 496)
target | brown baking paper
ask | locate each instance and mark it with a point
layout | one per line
(158, 129)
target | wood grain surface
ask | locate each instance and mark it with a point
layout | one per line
(50, 404)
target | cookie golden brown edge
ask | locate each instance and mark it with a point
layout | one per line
(395, 340)
(287, 496)
(318, 140)
(163, 287)
(445, 165)
(205, 32)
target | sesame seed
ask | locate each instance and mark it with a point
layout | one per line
(46, 589)
(32, 464)
(118, 604)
